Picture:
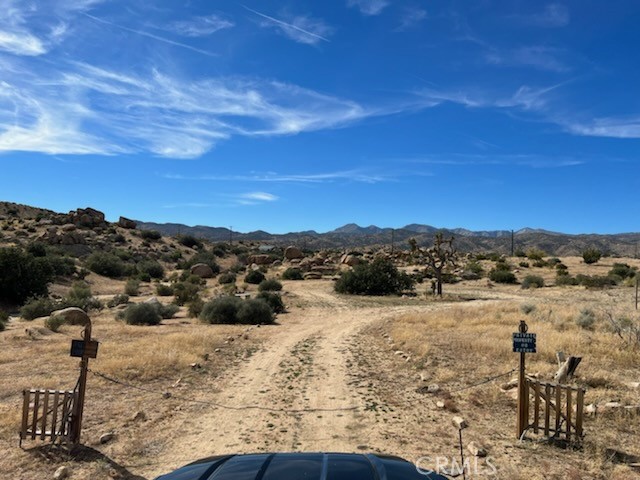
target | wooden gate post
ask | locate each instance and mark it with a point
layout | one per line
(89, 350)
(523, 343)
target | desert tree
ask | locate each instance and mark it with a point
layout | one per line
(439, 257)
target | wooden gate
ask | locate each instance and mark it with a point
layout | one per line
(557, 409)
(47, 414)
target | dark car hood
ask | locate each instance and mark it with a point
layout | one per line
(301, 466)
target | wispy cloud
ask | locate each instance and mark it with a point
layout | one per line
(299, 28)
(553, 15)
(521, 160)
(612, 127)
(150, 35)
(271, 177)
(200, 26)
(369, 7)
(537, 56)
(411, 17)
(79, 108)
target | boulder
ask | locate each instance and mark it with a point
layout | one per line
(72, 316)
(202, 270)
(260, 259)
(62, 473)
(312, 276)
(351, 260)
(293, 252)
(127, 223)
(86, 217)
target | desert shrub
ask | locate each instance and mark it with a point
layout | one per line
(221, 310)
(274, 300)
(586, 319)
(233, 310)
(189, 241)
(532, 281)
(54, 323)
(195, 307)
(270, 285)
(591, 255)
(22, 275)
(207, 258)
(554, 261)
(561, 269)
(37, 307)
(142, 314)
(132, 287)
(254, 277)
(237, 267)
(4, 318)
(152, 268)
(503, 266)
(143, 277)
(540, 264)
(255, 312)
(292, 273)
(595, 281)
(380, 277)
(524, 264)
(502, 276)
(150, 235)
(37, 249)
(62, 266)
(185, 292)
(472, 271)
(535, 254)
(219, 250)
(164, 290)
(565, 280)
(167, 311)
(80, 296)
(226, 278)
(527, 308)
(119, 299)
(622, 270)
(520, 253)
(107, 265)
(119, 238)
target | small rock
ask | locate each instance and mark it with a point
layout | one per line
(217, 350)
(139, 416)
(166, 395)
(195, 366)
(476, 450)
(440, 404)
(62, 472)
(107, 437)
(423, 378)
(398, 352)
(634, 385)
(433, 388)
(459, 422)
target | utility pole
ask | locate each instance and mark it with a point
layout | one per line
(393, 238)
(512, 244)
(230, 235)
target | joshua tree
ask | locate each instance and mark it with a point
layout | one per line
(439, 257)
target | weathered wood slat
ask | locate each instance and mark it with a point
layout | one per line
(547, 408)
(43, 421)
(579, 412)
(569, 408)
(34, 421)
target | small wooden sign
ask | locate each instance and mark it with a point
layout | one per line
(82, 348)
(524, 342)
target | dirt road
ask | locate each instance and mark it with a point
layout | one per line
(305, 381)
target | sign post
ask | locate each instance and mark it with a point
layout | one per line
(523, 343)
(85, 349)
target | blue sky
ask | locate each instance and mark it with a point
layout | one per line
(297, 115)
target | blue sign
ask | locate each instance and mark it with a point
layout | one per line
(524, 342)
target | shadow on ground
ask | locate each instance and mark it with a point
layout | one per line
(83, 454)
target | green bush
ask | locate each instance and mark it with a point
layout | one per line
(80, 296)
(532, 281)
(195, 307)
(167, 311)
(164, 290)
(185, 292)
(142, 314)
(132, 287)
(37, 307)
(150, 234)
(189, 241)
(255, 312)
(4, 318)
(502, 276)
(535, 254)
(274, 300)
(54, 323)
(22, 275)
(107, 265)
(524, 264)
(379, 277)
(226, 278)
(292, 273)
(591, 255)
(503, 266)
(586, 319)
(62, 266)
(565, 280)
(254, 277)
(596, 281)
(270, 285)
(119, 299)
(221, 310)
(622, 270)
(473, 271)
(152, 268)
(233, 310)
